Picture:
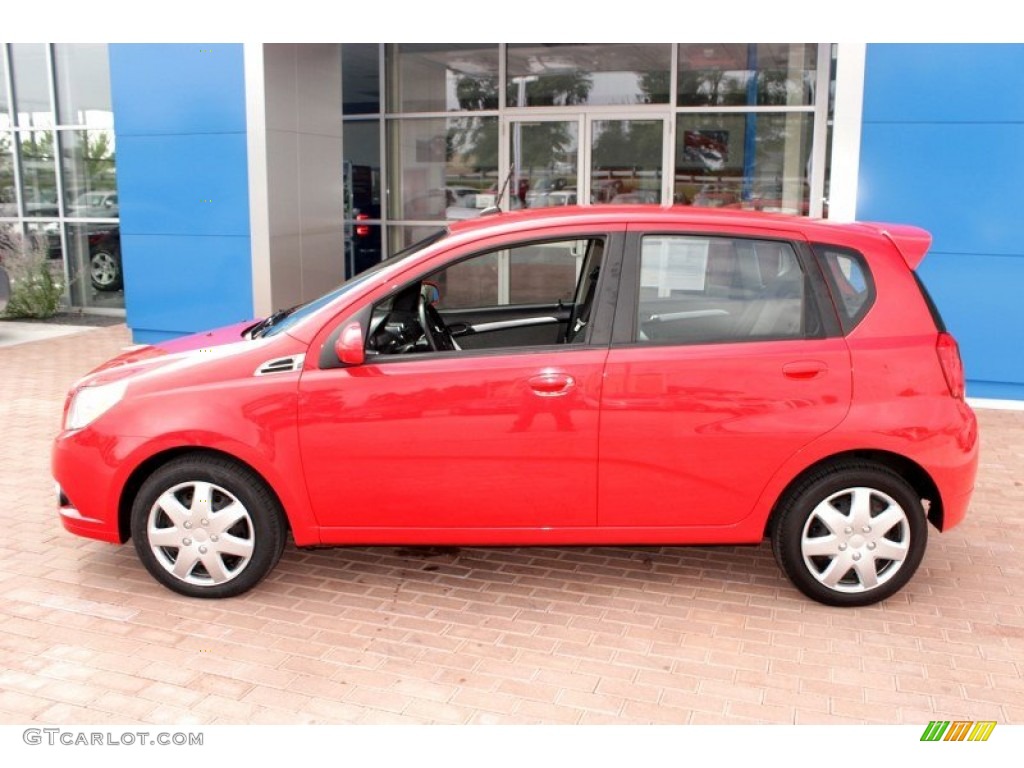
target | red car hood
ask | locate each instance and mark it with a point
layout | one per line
(204, 340)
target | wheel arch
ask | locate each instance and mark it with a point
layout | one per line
(909, 470)
(131, 487)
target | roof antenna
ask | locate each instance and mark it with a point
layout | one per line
(496, 208)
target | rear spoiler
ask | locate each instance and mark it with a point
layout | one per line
(911, 242)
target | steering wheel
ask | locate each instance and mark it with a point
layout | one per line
(436, 332)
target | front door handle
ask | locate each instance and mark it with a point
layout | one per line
(804, 369)
(552, 384)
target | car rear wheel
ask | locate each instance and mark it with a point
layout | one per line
(851, 535)
(207, 527)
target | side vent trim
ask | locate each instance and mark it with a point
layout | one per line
(281, 365)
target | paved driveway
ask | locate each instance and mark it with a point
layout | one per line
(564, 635)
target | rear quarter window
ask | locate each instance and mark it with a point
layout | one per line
(850, 281)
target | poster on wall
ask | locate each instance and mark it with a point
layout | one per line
(708, 150)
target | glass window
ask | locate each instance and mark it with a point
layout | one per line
(362, 195)
(545, 273)
(557, 74)
(852, 288)
(362, 168)
(90, 181)
(38, 173)
(360, 79)
(8, 193)
(5, 117)
(442, 168)
(524, 295)
(425, 77)
(751, 74)
(29, 64)
(402, 237)
(700, 290)
(83, 85)
(94, 265)
(545, 163)
(47, 234)
(755, 160)
(626, 161)
(533, 273)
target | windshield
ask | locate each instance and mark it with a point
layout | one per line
(303, 311)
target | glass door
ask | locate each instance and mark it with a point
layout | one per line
(626, 159)
(544, 163)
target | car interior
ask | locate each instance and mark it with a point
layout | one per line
(537, 294)
(709, 290)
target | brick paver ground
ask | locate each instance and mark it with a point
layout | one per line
(564, 635)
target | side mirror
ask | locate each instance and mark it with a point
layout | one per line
(349, 346)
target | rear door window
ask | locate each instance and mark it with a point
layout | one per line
(697, 289)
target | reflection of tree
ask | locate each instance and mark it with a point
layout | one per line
(7, 194)
(655, 87)
(627, 145)
(98, 157)
(557, 89)
(472, 143)
(545, 143)
(39, 179)
(743, 77)
(476, 93)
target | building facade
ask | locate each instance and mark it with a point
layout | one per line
(196, 185)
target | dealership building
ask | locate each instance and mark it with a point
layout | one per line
(193, 185)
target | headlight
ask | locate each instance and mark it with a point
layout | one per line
(89, 403)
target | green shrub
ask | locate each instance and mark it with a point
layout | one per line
(35, 292)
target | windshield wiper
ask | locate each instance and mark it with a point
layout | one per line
(267, 323)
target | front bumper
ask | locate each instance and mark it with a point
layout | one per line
(90, 470)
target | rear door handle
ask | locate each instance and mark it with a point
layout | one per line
(804, 369)
(552, 384)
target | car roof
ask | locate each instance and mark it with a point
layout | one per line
(912, 242)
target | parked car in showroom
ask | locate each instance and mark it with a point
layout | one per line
(104, 254)
(105, 257)
(677, 376)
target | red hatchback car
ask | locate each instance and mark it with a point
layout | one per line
(603, 375)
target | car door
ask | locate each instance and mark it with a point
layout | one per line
(500, 437)
(726, 360)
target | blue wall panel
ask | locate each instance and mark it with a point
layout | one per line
(949, 83)
(941, 148)
(199, 273)
(182, 167)
(201, 192)
(963, 183)
(980, 300)
(174, 88)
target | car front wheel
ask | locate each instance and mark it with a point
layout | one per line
(205, 526)
(851, 535)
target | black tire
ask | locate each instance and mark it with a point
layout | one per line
(827, 541)
(222, 552)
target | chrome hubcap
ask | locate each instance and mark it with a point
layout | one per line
(104, 269)
(200, 533)
(856, 540)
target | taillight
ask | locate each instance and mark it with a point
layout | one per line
(361, 229)
(952, 366)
